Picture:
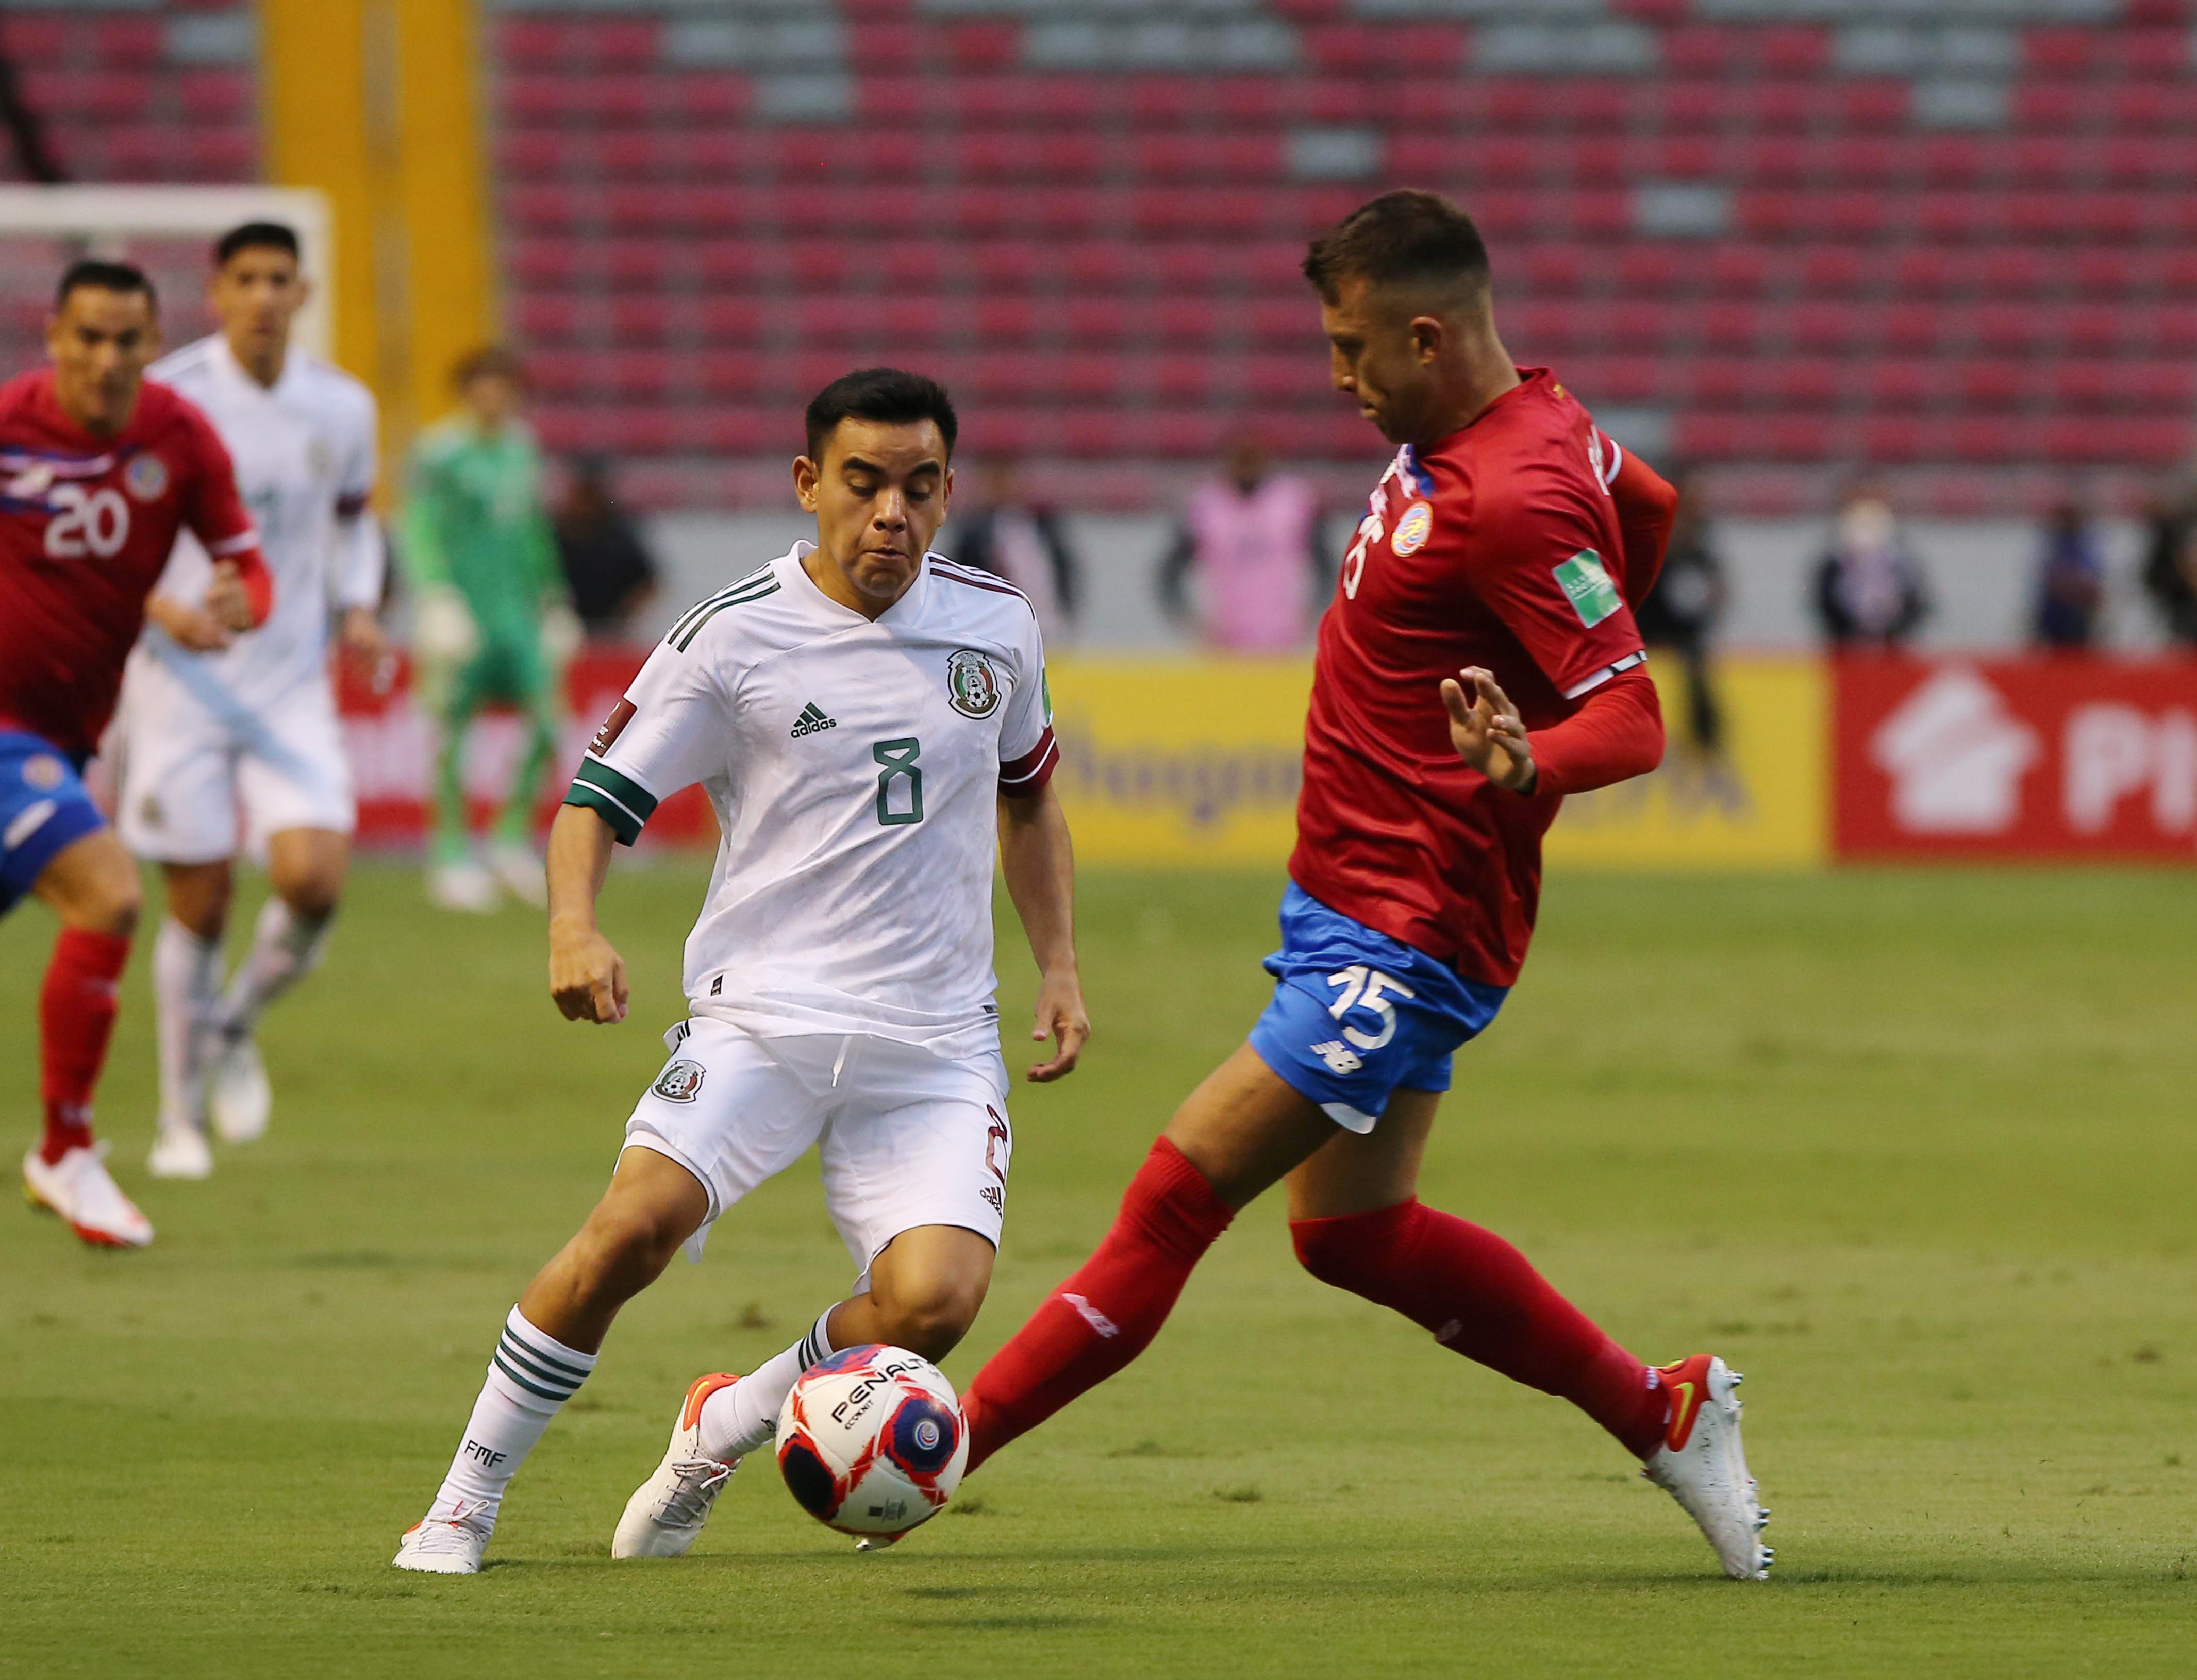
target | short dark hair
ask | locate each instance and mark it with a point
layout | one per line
(885, 394)
(1406, 237)
(498, 361)
(99, 273)
(256, 236)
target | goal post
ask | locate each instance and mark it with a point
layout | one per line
(165, 230)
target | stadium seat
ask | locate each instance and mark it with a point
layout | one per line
(1106, 259)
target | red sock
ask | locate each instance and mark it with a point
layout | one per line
(76, 1018)
(1482, 1298)
(1109, 1312)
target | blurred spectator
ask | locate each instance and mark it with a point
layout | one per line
(1681, 612)
(2071, 581)
(1250, 538)
(1015, 539)
(2170, 565)
(605, 560)
(1868, 585)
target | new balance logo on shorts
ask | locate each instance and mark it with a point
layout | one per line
(811, 720)
(1339, 1056)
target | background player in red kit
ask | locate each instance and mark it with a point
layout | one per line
(1479, 662)
(98, 471)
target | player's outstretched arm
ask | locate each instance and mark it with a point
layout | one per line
(1485, 727)
(1617, 734)
(1039, 861)
(587, 976)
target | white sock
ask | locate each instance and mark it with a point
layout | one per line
(186, 976)
(743, 1418)
(286, 947)
(531, 1376)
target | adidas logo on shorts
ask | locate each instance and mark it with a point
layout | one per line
(811, 720)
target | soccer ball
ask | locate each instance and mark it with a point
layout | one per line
(871, 1440)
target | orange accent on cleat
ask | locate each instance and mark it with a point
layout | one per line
(691, 1413)
(1687, 1382)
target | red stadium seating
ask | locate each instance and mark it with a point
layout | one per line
(1755, 237)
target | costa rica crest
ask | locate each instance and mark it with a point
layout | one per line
(146, 476)
(972, 687)
(679, 1082)
(1412, 530)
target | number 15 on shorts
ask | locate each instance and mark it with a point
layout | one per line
(1364, 987)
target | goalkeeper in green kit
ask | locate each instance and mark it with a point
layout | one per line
(493, 622)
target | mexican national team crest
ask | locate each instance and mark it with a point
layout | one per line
(972, 687)
(146, 476)
(679, 1082)
(1412, 530)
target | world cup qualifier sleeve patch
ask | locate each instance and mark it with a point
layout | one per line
(613, 727)
(1588, 587)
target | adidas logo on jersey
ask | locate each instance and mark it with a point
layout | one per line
(811, 720)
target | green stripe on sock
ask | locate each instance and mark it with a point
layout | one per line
(548, 1370)
(504, 1365)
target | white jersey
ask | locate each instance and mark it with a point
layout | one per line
(855, 767)
(304, 453)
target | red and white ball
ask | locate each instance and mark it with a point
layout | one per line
(872, 1441)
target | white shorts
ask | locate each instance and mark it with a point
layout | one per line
(191, 765)
(907, 1138)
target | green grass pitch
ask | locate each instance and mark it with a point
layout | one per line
(1915, 1150)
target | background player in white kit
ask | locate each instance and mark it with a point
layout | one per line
(212, 721)
(871, 725)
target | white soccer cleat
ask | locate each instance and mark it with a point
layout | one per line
(180, 1150)
(667, 1511)
(79, 1188)
(463, 885)
(1701, 1464)
(238, 1098)
(443, 1545)
(521, 873)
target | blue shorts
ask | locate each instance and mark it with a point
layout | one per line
(43, 808)
(1357, 1015)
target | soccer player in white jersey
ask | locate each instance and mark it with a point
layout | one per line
(871, 723)
(213, 722)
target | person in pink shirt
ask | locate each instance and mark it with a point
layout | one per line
(1250, 537)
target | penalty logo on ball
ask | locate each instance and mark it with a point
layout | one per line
(871, 1440)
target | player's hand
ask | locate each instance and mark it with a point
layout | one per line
(191, 628)
(1487, 730)
(225, 597)
(1059, 1016)
(587, 976)
(363, 639)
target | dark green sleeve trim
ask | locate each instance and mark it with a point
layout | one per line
(620, 820)
(627, 792)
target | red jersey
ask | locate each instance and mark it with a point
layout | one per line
(1501, 547)
(86, 523)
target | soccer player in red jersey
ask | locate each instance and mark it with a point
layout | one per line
(98, 472)
(1479, 660)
